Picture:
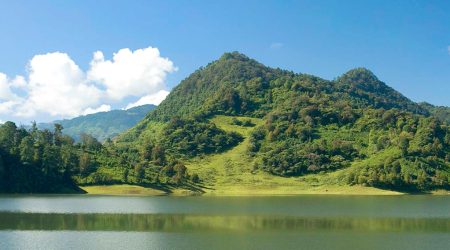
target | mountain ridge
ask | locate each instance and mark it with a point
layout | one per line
(101, 125)
(309, 125)
(185, 100)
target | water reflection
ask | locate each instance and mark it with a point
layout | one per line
(192, 223)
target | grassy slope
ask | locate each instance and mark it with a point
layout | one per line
(231, 172)
(121, 190)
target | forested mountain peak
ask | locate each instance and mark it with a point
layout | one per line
(235, 55)
(362, 79)
(366, 89)
(236, 84)
(207, 84)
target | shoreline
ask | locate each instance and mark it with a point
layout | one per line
(134, 190)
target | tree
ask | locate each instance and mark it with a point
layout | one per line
(26, 149)
(403, 143)
(8, 136)
(158, 155)
(58, 134)
(85, 164)
(195, 178)
(139, 171)
(89, 142)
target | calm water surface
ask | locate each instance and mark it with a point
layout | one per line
(290, 222)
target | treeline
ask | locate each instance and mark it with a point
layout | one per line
(35, 160)
(44, 161)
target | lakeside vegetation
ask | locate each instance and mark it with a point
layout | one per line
(239, 127)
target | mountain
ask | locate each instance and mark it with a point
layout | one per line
(101, 125)
(354, 130)
(236, 126)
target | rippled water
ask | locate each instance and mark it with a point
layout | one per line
(291, 222)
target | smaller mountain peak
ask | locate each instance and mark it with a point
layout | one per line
(357, 74)
(363, 79)
(235, 55)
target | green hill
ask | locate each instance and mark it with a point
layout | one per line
(238, 127)
(355, 125)
(101, 125)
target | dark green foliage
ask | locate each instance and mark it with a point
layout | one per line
(227, 86)
(192, 137)
(36, 161)
(406, 173)
(245, 123)
(290, 158)
(195, 178)
(365, 89)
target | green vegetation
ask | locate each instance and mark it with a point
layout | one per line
(36, 161)
(102, 125)
(440, 112)
(239, 127)
(310, 126)
(122, 190)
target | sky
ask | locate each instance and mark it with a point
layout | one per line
(61, 59)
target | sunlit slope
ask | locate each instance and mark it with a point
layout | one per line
(233, 172)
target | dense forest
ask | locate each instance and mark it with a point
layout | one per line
(309, 126)
(44, 161)
(36, 161)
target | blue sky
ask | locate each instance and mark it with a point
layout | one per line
(405, 43)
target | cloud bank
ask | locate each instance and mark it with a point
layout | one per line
(56, 86)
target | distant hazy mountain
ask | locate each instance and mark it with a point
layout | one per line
(102, 125)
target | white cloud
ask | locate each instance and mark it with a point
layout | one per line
(8, 99)
(5, 87)
(57, 87)
(131, 73)
(154, 99)
(448, 48)
(102, 108)
(276, 45)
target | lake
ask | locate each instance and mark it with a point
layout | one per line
(280, 222)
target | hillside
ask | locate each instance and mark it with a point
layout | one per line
(355, 125)
(236, 126)
(101, 125)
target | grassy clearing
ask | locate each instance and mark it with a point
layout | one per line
(122, 190)
(232, 173)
